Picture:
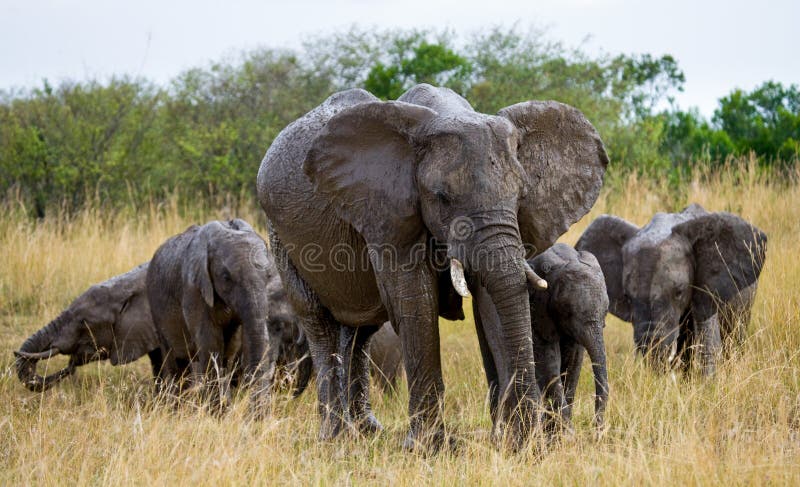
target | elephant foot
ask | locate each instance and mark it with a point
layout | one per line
(556, 426)
(518, 435)
(368, 425)
(331, 427)
(708, 369)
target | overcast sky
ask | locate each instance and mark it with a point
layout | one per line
(720, 44)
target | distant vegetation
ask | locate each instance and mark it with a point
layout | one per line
(127, 140)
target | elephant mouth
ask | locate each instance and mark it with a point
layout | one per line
(26, 364)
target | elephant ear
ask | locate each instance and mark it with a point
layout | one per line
(564, 159)
(729, 254)
(134, 331)
(195, 268)
(364, 162)
(604, 239)
(548, 261)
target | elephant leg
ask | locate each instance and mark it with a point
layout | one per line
(571, 363)
(548, 371)
(169, 375)
(156, 362)
(322, 336)
(489, 366)
(709, 344)
(410, 294)
(323, 331)
(208, 370)
(353, 348)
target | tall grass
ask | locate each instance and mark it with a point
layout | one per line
(741, 427)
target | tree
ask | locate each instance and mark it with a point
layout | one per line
(765, 121)
(435, 64)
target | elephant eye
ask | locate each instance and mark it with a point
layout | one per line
(442, 196)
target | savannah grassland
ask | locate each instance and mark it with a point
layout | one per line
(102, 427)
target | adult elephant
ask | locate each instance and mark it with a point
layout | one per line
(685, 280)
(393, 185)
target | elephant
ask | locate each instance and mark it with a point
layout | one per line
(204, 286)
(395, 210)
(687, 281)
(567, 318)
(109, 321)
(386, 356)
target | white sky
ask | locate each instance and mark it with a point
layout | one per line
(720, 44)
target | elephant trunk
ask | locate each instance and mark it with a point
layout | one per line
(655, 343)
(519, 393)
(596, 350)
(39, 346)
(259, 349)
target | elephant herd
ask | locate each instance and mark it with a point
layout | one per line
(382, 217)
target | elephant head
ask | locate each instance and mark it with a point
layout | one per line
(111, 320)
(486, 188)
(678, 266)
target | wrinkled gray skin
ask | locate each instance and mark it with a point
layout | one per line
(567, 318)
(685, 280)
(110, 321)
(205, 285)
(415, 179)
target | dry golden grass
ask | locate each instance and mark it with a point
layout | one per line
(742, 427)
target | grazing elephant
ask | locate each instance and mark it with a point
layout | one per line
(568, 317)
(364, 196)
(111, 320)
(685, 280)
(204, 285)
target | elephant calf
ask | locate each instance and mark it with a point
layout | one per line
(567, 318)
(685, 280)
(205, 285)
(110, 320)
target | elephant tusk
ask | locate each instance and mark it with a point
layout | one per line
(457, 276)
(534, 279)
(38, 356)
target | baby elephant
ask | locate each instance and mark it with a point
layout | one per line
(110, 320)
(204, 285)
(567, 318)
